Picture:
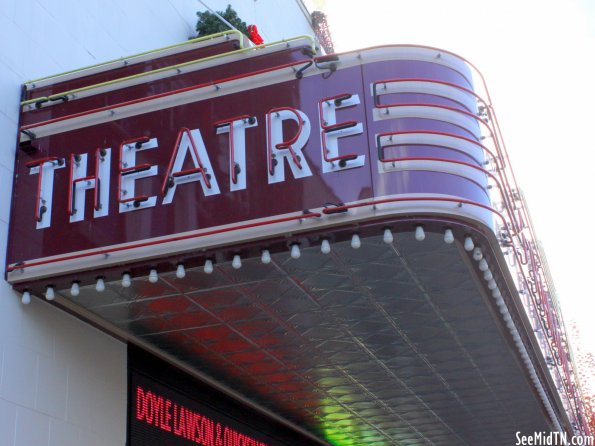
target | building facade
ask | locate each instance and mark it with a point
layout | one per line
(64, 382)
(321, 249)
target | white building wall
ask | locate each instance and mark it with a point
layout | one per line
(63, 382)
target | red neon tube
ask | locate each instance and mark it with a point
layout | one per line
(96, 195)
(430, 81)
(501, 184)
(329, 128)
(232, 163)
(39, 163)
(161, 241)
(123, 170)
(163, 95)
(200, 167)
(285, 144)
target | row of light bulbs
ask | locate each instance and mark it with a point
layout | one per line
(483, 266)
(236, 263)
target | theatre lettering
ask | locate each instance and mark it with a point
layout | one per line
(172, 164)
(284, 135)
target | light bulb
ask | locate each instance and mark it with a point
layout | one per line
(387, 236)
(75, 289)
(208, 266)
(468, 244)
(496, 293)
(126, 280)
(355, 241)
(180, 271)
(492, 284)
(477, 255)
(449, 237)
(100, 285)
(419, 234)
(26, 299)
(265, 257)
(295, 251)
(325, 247)
(49, 293)
(236, 262)
(483, 265)
(487, 275)
(153, 276)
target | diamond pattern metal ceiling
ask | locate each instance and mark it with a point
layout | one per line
(381, 345)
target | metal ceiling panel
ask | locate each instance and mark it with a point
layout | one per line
(388, 344)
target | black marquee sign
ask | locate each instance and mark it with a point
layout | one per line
(167, 407)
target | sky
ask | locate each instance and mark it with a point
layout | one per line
(538, 59)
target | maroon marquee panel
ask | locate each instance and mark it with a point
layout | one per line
(117, 157)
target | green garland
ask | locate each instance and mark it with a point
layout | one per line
(209, 23)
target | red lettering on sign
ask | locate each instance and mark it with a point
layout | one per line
(176, 417)
(157, 411)
(218, 439)
(141, 409)
(182, 422)
(190, 432)
(167, 424)
(208, 432)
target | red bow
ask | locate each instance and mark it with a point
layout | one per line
(254, 36)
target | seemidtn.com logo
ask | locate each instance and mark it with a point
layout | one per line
(554, 439)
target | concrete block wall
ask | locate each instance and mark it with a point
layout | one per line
(63, 382)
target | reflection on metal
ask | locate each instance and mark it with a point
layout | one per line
(386, 344)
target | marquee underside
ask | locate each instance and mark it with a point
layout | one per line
(388, 344)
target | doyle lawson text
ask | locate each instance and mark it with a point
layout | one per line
(282, 150)
(180, 421)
